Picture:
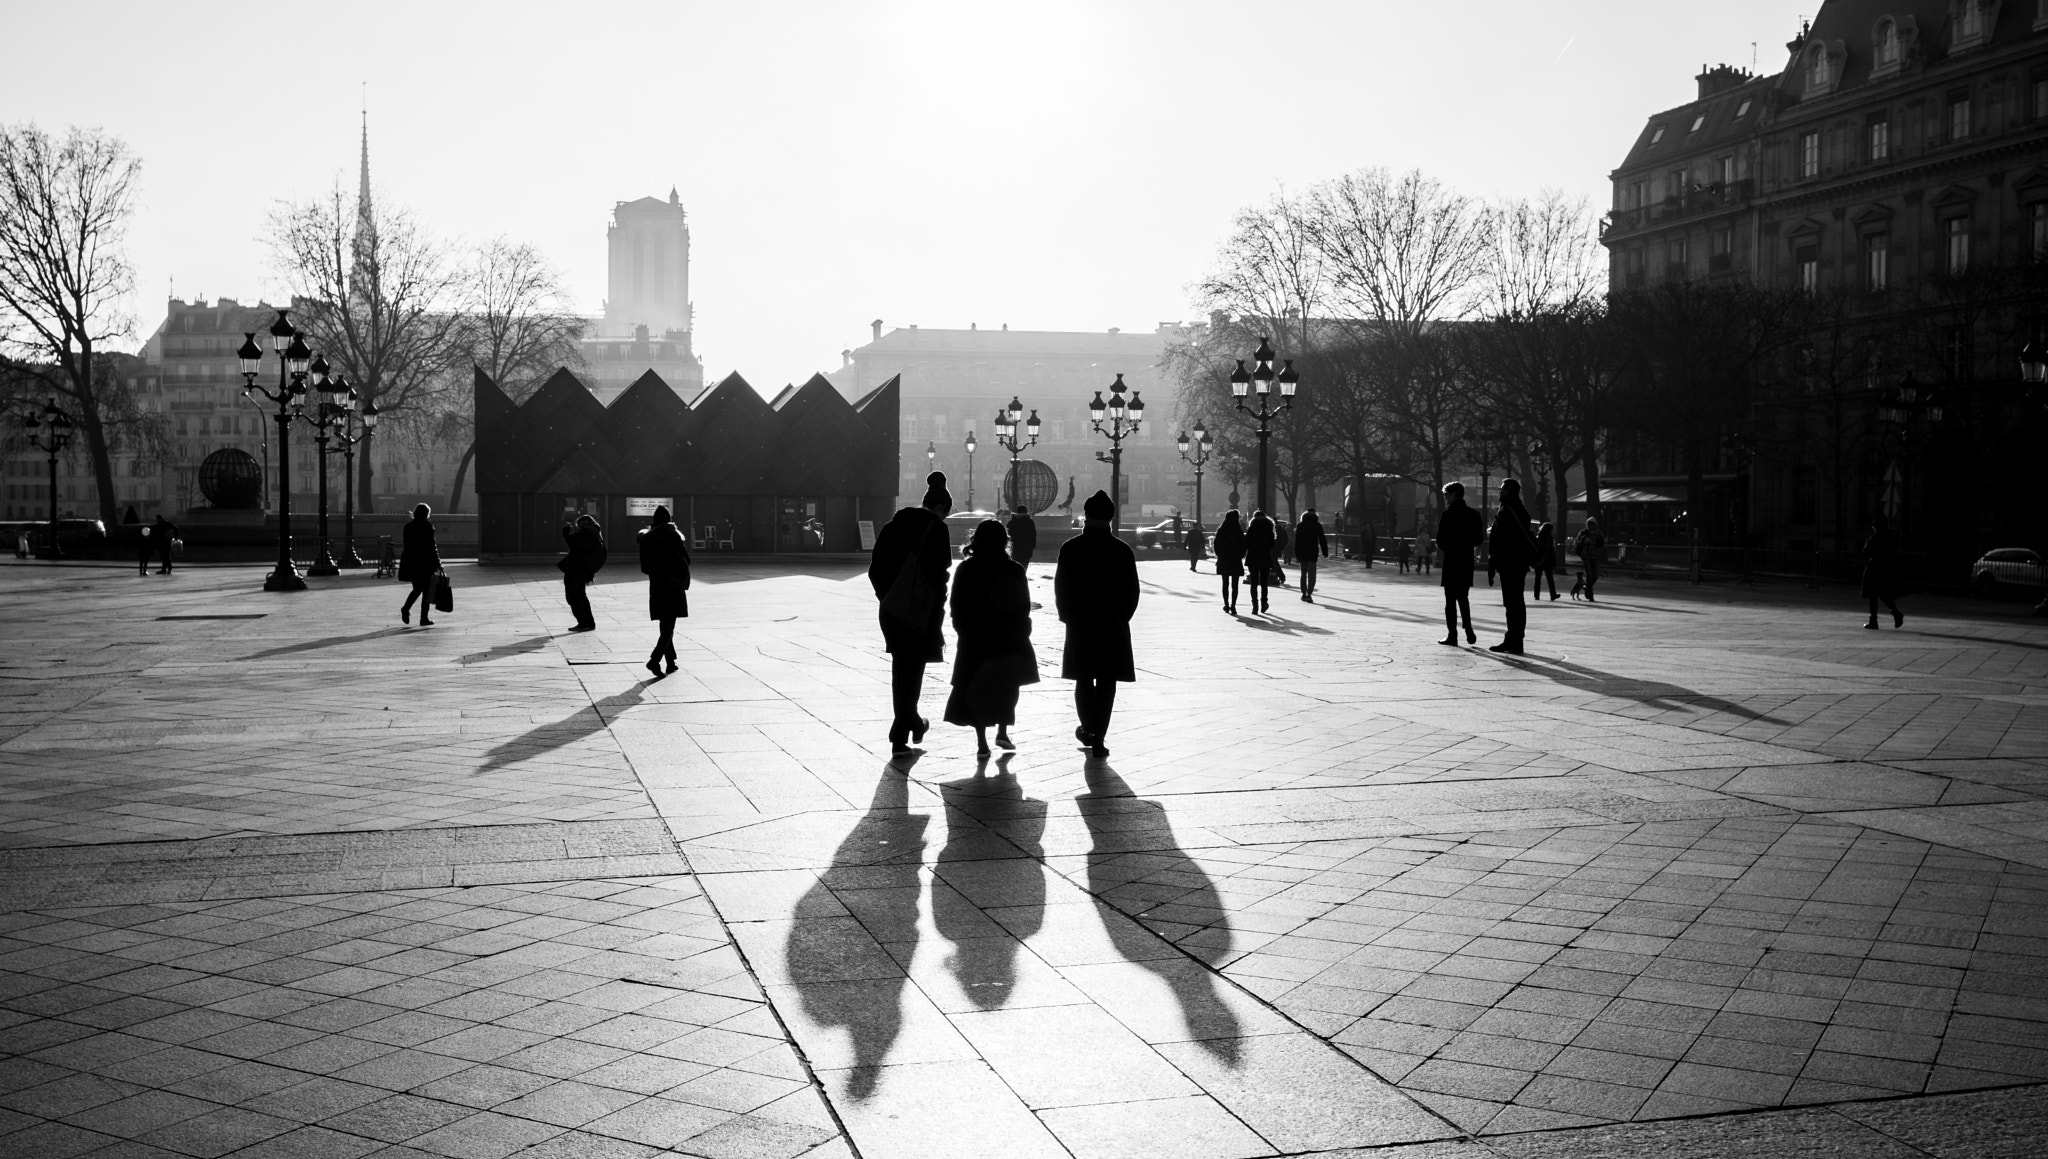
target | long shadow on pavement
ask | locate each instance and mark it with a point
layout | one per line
(568, 730)
(506, 651)
(1123, 827)
(984, 959)
(327, 642)
(1653, 693)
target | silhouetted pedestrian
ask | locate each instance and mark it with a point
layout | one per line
(1023, 536)
(1370, 543)
(1229, 549)
(1096, 590)
(1458, 532)
(908, 572)
(587, 553)
(1401, 553)
(993, 660)
(156, 540)
(1282, 537)
(1510, 551)
(1196, 542)
(419, 563)
(1259, 540)
(1881, 579)
(665, 561)
(1310, 547)
(1546, 562)
(1425, 552)
(1591, 548)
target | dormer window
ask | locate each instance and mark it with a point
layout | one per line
(1887, 44)
(1970, 27)
(1742, 110)
(1973, 20)
(1697, 122)
(1820, 72)
(1657, 134)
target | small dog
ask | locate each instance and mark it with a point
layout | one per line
(1578, 584)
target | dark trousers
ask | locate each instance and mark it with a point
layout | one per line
(906, 680)
(423, 591)
(163, 551)
(665, 644)
(1536, 582)
(1308, 576)
(1094, 700)
(142, 561)
(1457, 601)
(1517, 607)
(1592, 563)
(1230, 583)
(573, 586)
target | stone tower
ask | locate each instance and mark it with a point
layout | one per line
(649, 282)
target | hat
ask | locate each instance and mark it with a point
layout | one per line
(1099, 506)
(662, 516)
(935, 493)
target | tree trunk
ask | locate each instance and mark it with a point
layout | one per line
(461, 470)
(1564, 490)
(1592, 462)
(365, 503)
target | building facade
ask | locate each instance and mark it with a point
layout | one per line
(954, 382)
(137, 483)
(648, 317)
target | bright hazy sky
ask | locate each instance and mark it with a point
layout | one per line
(1052, 165)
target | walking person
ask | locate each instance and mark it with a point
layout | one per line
(908, 572)
(1511, 551)
(1095, 588)
(665, 561)
(1370, 543)
(993, 660)
(1401, 553)
(586, 555)
(1023, 536)
(1591, 548)
(156, 538)
(1229, 549)
(1546, 562)
(1881, 580)
(1310, 546)
(419, 563)
(1281, 538)
(1196, 542)
(1258, 559)
(1458, 532)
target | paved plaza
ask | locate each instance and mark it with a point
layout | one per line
(1710, 871)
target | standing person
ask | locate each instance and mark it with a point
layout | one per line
(162, 534)
(908, 572)
(665, 561)
(1023, 536)
(1546, 562)
(1229, 549)
(1281, 538)
(992, 634)
(1370, 543)
(418, 563)
(1095, 588)
(1458, 531)
(1401, 553)
(1511, 551)
(1425, 551)
(585, 540)
(1196, 541)
(1881, 571)
(1258, 559)
(1591, 548)
(1310, 546)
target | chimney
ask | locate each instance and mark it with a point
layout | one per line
(845, 359)
(877, 325)
(1721, 78)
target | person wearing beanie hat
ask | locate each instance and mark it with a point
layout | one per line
(1023, 536)
(1095, 588)
(908, 572)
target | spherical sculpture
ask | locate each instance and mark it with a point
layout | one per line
(1031, 484)
(230, 479)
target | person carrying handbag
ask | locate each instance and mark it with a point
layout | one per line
(419, 565)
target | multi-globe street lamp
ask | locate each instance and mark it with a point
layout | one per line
(1262, 379)
(1204, 444)
(323, 419)
(346, 436)
(1123, 419)
(1006, 437)
(293, 360)
(49, 431)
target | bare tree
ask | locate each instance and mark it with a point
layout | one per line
(1546, 253)
(1401, 252)
(375, 294)
(64, 209)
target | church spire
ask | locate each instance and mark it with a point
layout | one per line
(365, 219)
(362, 275)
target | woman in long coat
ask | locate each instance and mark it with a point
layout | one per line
(908, 572)
(1458, 531)
(1228, 547)
(665, 561)
(419, 561)
(1881, 571)
(993, 660)
(1095, 588)
(1261, 542)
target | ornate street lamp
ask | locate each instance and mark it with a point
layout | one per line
(49, 431)
(346, 414)
(2033, 364)
(1006, 437)
(293, 360)
(1262, 379)
(324, 418)
(970, 470)
(1910, 411)
(1203, 445)
(1124, 419)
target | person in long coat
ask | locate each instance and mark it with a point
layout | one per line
(1591, 548)
(1023, 532)
(908, 572)
(1458, 532)
(1511, 551)
(585, 540)
(157, 539)
(1546, 562)
(1196, 541)
(1229, 548)
(1881, 571)
(1095, 588)
(1259, 541)
(1310, 547)
(419, 561)
(665, 561)
(992, 660)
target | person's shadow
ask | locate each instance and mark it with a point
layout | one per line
(1113, 815)
(984, 958)
(548, 737)
(328, 642)
(1651, 693)
(880, 857)
(506, 651)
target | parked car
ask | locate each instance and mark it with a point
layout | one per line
(1155, 534)
(73, 535)
(2006, 569)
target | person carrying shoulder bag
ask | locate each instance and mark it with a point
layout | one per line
(586, 555)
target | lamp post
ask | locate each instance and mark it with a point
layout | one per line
(1907, 409)
(970, 470)
(348, 441)
(1123, 419)
(293, 357)
(1203, 445)
(1262, 380)
(1006, 437)
(49, 431)
(323, 419)
(2034, 364)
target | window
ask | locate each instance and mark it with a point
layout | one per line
(1809, 154)
(1697, 122)
(1656, 134)
(1971, 26)
(1959, 117)
(1678, 183)
(1726, 166)
(1820, 73)
(1724, 242)
(1877, 262)
(1675, 253)
(1880, 139)
(1638, 265)
(2040, 91)
(1957, 352)
(1638, 194)
(1958, 231)
(1807, 258)
(2037, 229)
(1887, 44)
(1742, 110)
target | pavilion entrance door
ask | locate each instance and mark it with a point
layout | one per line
(799, 523)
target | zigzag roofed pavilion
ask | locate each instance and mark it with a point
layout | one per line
(800, 473)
